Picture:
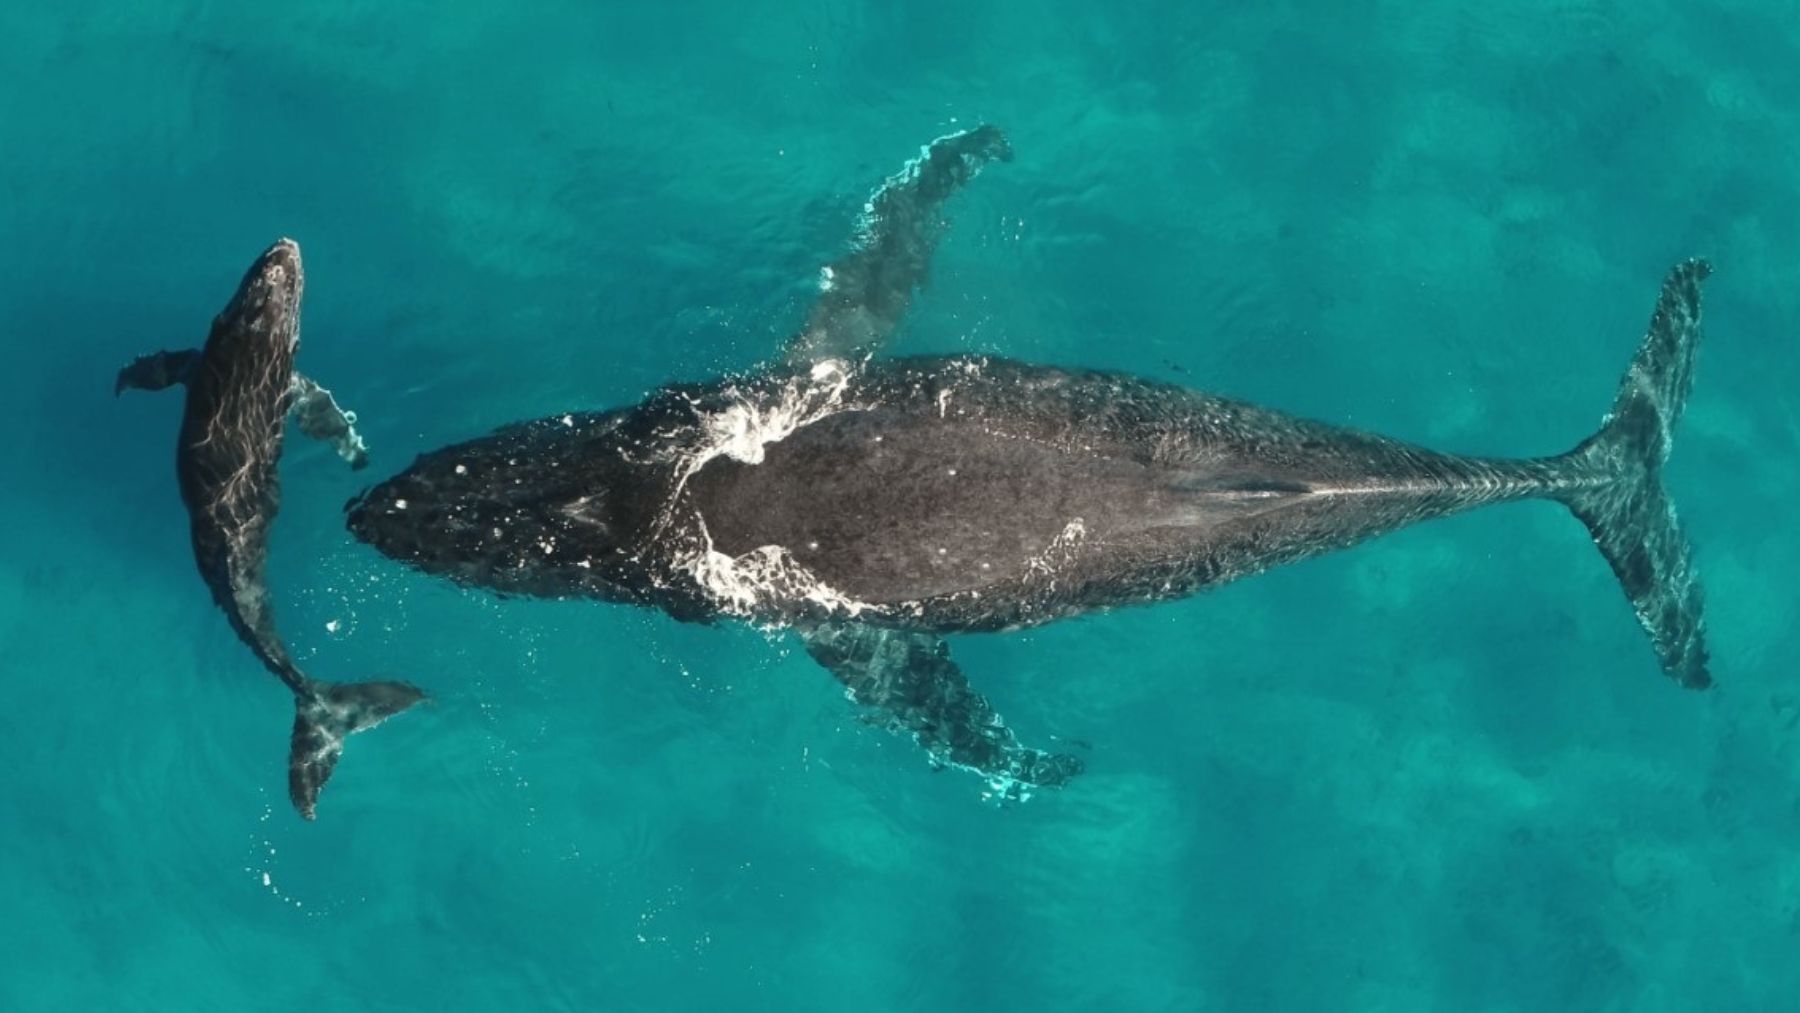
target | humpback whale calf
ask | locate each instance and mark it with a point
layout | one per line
(876, 504)
(240, 389)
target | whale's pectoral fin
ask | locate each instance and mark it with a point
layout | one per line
(325, 714)
(864, 293)
(912, 681)
(321, 418)
(156, 371)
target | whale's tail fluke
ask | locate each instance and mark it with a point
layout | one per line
(1630, 514)
(325, 714)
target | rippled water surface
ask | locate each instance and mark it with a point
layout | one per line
(1440, 771)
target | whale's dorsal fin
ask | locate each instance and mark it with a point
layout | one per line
(864, 293)
(910, 678)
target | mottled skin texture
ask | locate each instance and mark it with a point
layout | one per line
(876, 504)
(240, 388)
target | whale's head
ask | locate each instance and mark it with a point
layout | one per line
(238, 393)
(516, 512)
(266, 306)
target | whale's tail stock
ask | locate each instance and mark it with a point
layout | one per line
(1629, 511)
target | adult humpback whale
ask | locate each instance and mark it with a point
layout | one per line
(240, 389)
(875, 505)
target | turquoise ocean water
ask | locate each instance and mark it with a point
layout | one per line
(1437, 772)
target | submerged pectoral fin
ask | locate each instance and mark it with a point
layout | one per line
(322, 418)
(864, 293)
(911, 681)
(156, 371)
(325, 714)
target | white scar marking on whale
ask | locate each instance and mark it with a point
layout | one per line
(1060, 550)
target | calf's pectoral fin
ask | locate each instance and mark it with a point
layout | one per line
(156, 371)
(911, 681)
(320, 417)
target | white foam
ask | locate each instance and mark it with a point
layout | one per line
(762, 580)
(767, 581)
(741, 430)
(1059, 551)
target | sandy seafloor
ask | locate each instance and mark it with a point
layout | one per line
(1437, 772)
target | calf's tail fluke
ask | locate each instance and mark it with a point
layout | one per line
(327, 713)
(1623, 502)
